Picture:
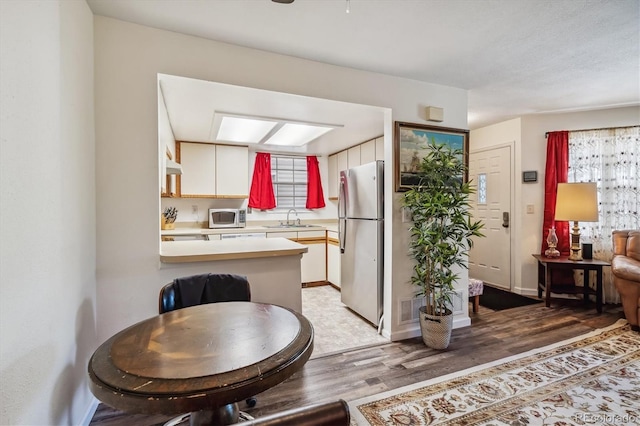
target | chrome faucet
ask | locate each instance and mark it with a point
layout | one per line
(291, 210)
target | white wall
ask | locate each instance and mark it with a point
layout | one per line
(528, 132)
(128, 58)
(47, 244)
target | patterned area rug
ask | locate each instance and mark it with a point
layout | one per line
(592, 379)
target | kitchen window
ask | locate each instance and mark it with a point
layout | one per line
(289, 176)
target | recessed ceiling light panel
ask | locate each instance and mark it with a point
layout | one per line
(244, 130)
(294, 134)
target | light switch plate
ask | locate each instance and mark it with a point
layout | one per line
(529, 208)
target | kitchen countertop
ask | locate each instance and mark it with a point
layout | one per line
(241, 248)
(332, 227)
(184, 231)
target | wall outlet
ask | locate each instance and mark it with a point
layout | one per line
(194, 210)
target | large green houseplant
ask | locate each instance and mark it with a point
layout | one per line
(440, 236)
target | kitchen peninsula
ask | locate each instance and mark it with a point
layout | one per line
(272, 265)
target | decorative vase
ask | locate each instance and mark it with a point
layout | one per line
(552, 242)
(436, 329)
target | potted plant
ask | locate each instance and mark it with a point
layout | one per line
(440, 237)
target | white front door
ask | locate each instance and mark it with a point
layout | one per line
(490, 257)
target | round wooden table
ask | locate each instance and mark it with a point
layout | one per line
(200, 359)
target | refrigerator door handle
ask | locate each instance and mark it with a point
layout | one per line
(341, 198)
(342, 232)
(342, 222)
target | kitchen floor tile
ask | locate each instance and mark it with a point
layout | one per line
(336, 328)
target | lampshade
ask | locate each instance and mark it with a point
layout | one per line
(577, 202)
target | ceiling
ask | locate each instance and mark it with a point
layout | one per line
(191, 105)
(515, 57)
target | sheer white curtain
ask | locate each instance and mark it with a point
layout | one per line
(609, 157)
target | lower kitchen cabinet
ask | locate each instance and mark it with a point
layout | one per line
(333, 258)
(313, 265)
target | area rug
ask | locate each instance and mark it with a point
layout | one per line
(592, 379)
(498, 300)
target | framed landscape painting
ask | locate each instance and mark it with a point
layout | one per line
(411, 143)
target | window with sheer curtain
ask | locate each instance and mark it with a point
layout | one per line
(609, 157)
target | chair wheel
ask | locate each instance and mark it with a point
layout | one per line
(251, 402)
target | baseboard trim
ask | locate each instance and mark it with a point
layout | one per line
(414, 331)
(91, 411)
(334, 286)
(314, 284)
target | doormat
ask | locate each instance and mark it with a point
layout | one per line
(499, 300)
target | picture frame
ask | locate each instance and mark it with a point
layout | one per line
(411, 141)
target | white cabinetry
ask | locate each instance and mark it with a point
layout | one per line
(333, 258)
(336, 163)
(290, 235)
(368, 152)
(343, 163)
(334, 175)
(313, 265)
(232, 171)
(314, 262)
(363, 153)
(353, 157)
(213, 171)
(379, 148)
(198, 178)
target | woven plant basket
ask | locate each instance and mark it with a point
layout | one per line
(436, 329)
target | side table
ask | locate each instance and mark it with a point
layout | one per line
(546, 265)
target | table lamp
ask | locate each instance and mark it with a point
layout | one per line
(576, 202)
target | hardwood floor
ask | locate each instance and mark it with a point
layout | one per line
(361, 372)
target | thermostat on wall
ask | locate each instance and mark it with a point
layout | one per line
(530, 176)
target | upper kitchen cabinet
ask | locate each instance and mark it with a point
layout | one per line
(363, 153)
(353, 157)
(336, 163)
(198, 178)
(343, 164)
(332, 164)
(232, 171)
(379, 148)
(372, 150)
(368, 152)
(213, 171)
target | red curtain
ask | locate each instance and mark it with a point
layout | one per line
(261, 195)
(557, 171)
(315, 196)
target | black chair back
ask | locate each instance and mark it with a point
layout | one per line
(204, 288)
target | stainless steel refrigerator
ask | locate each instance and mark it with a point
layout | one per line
(361, 229)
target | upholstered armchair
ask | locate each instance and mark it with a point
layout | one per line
(625, 267)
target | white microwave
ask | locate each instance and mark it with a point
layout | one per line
(227, 218)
